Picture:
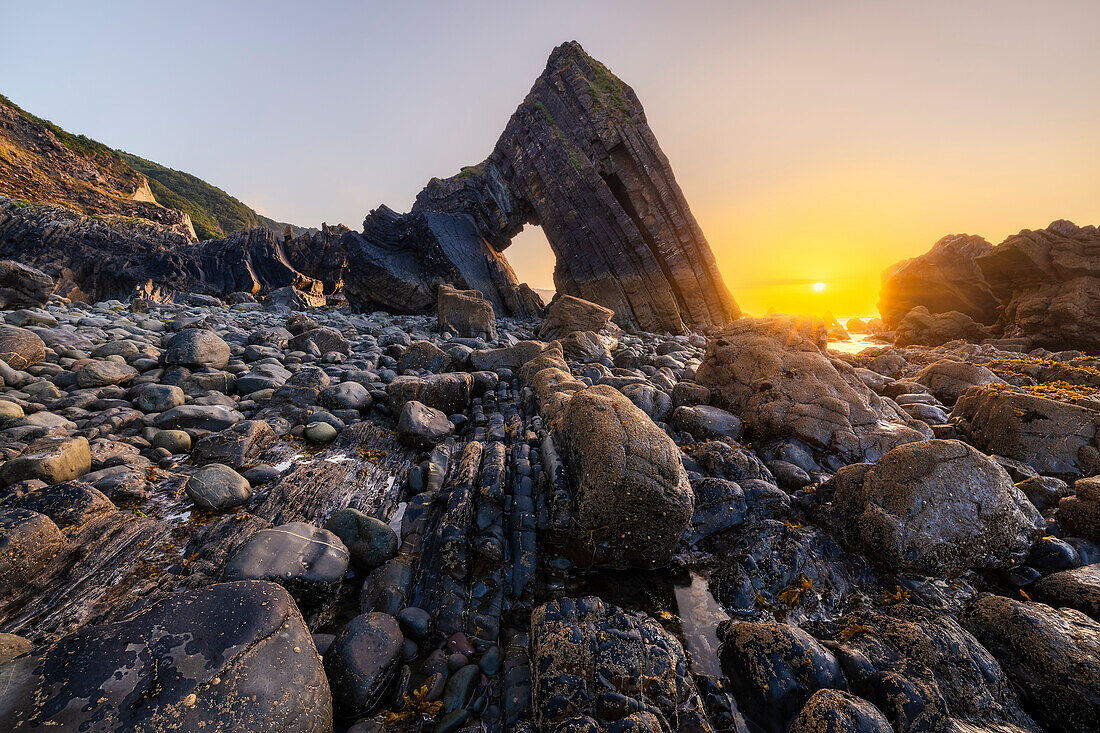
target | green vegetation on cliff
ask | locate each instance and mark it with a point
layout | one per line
(214, 213)
(42, 163)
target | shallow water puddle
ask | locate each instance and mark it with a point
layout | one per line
(700, 615)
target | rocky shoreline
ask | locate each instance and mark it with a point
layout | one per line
(246, 516)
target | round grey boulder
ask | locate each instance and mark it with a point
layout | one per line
(216, 487)
(307, 560)
(196, 347)
(104, 373)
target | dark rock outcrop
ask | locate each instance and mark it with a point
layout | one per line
(1049, 284)
(399, 260)
(592, 661)
(120, 257)
(22, 286)
(946, 278)
(579, 159)
(1049, 653)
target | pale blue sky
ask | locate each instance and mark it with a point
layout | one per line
(852, 120)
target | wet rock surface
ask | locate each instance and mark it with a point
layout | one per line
(177, 665)
(561, 549)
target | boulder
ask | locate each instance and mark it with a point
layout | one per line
(705, 422)
(327, 340)
(11, 646)
(197, 417)
(798, 570)
(630, 494)
(772, 372)
(934, 507)
(948, 379)
(262, 376)
(423, 356)
(585, 347)
(1050, 654)
(924, 670)
(238, 446)
(29, 541)
(422, 426)
(1074, 588)
(23, 287)
(508, 357)
(649, 400)
(307, 560)
(177, 665)
(51, 459)
(1053, 437)
(370, 541)
(1049, 284)
(774, 669)
(834, 710)
(1079, 514)
(449, 393)
(361, 661)
(465, 313)
(919, 327)
(68, 504)
(20, 348)
(345, 396)
(598, 667)
(157, 397)
(216, 487)
(567, 314)
(104, 373)
(946, 278)
(196, 347)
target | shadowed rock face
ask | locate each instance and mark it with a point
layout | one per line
(399, 259)
(946, 278)
(578, 158)
(122, 257)
(1049, 283)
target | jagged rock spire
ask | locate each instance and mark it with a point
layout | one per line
(579, 159)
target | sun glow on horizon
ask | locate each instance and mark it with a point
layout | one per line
(819, 287)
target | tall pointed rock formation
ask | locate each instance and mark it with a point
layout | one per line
(579, 159)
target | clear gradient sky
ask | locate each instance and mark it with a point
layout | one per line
(815, 141)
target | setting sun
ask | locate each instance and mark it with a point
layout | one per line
(819, 287)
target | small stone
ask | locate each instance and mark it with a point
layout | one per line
(320, 433)
(415, 622)
(173, 441)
